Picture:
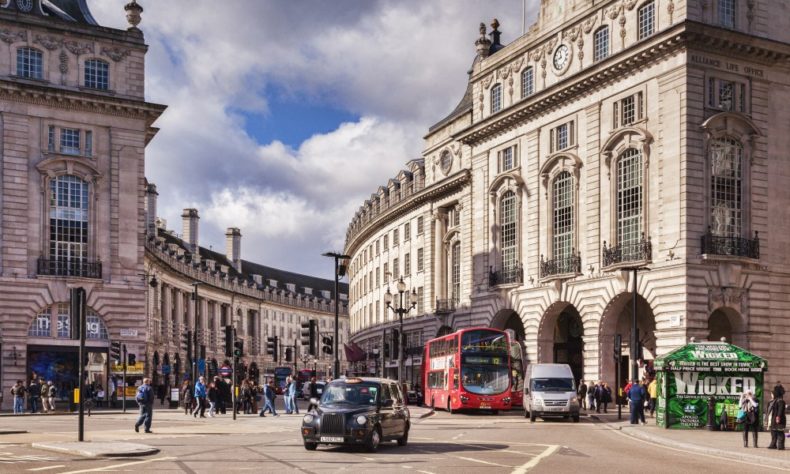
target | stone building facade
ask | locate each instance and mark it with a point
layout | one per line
(193, 288)
(612, 136)
(74, 125)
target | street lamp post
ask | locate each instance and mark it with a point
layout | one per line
(400, 311)
(339, 272)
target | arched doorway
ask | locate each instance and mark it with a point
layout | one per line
(509, 321)
(568, 343)
(726, 323)
(617, 319)
(443, 331)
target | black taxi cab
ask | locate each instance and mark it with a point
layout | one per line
(357, 411)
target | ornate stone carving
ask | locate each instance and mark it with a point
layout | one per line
(588, 24)
(64, 62)
(78, 48)
(133, 12)
(671, 10)
(116, 54)
(750, 12)
(572, 33)
(535, 55)
(629, 4)
(487, 81)
(731, 297)
(613, 12)
(11, 36)
(516, 66)
(49, 42)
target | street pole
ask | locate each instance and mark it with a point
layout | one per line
(634, 332)
(123, 380)
(337, 319)
(78, 305)
(233, 380)
(618, 347)
(400, 346)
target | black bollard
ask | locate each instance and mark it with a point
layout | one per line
(712, 414)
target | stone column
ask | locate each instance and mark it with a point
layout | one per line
(439, 256)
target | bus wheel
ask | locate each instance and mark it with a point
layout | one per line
(449, 406)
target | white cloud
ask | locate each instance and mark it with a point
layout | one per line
(400, 66)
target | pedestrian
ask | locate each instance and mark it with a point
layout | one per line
(269, 396)
(652, 392)
(777, 418)
(52, 392)
(212, 400)
(160, 394)
(598, 396)
(581, 393)
(246, 397)
(636, 397)
(43, 393)
(225, 397)
(34, 395)
(186, 396)
(591, 395)
(292, 396)
(18, 392)
(200, 398)
(779, 390)
(751, 421)
(145, 398)
(312, 393)
(606, 397)
(287, 396)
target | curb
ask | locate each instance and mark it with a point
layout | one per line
(84, 449)
(12, 432)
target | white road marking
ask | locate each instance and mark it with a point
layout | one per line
(458, 435)
(534, 461)
(425, 472)
(481, 462)
(107, 468)
(46, 468)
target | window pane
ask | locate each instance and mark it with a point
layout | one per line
(68, 220)
(628, 110)
(29, 63)
(97, 74)
(727, 13)
(562, 136)
(629, 197)
(507, 159)
(726, 160)
(70, 141)
(456, 272)
(496, 98)
(601, 44)
(508, 225)
(646, 20)
(562, 203)
(41, 325)
(527, 82)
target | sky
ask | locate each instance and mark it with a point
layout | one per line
(284, 116)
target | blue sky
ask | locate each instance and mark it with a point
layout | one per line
(283, 117)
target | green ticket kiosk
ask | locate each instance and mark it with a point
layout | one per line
(700, 375)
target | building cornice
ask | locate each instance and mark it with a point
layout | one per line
(676, 38)
(428, 194)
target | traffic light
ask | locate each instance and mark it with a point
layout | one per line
(327, 344)
(228, 341)
(132, 358)
(186, 344)
(395, 343)
(76, 309)
(288, 354)
(115, 352)
(238, 348)
(271, 347)
(386, 350)
(309, 330)
(618, 348)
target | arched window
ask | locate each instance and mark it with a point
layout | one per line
(527, 82)
(508, 224)
(562, 219)
(601, 44)
(68, 227)
(629, 201)
(29, 63)
(97, 74)
(455, 259)
(726, 215)
(42, 325)
(496, 98)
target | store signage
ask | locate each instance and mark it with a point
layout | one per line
(128, 332)
(726, 65)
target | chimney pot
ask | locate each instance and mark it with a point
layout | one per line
(233, 247)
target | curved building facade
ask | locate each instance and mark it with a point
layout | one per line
(619, 156)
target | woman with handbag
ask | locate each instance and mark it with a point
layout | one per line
(750, 417)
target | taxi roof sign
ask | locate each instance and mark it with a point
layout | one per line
(354, 380)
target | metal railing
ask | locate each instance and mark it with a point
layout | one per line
(445, 306)
(514, 274)
(731, 246)
(69, 268)
(639, 251)
(561, 266)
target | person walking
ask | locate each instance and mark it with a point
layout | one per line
(186, 396)
(606, 397)
(269, 396)
(18, 392)
(636, 396)
(751, 422)
(777, 419)
(598, 395)
(52, 393)
(312, 393)
(590, 395)
(581, 394)
(287, 396)
(44, 393)
(292, 396)
(145, 398)
(200, 398)
(34, 394)
(246, 397)
(212, 400)
(652, 392)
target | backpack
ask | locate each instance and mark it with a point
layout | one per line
(143, 395)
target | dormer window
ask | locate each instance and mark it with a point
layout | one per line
(496, 98)
(29, 63)
(97, 74)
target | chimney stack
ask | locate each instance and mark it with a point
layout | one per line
(233, 247)
(483, 44)
(150, 210)
(190, 220)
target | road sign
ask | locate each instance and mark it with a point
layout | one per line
(225, 371)
(201, 365)
(166, 369)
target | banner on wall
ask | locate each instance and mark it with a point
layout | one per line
(692, 376)
(131, 369)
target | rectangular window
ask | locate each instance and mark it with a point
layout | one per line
(69, 141)
(562, 135)
(455, 288)
(407, 264)
(420, 300)
(420, 260)
(601, 44)
(628, 110)
(646, 19)
(51, 139)
(496, 98)
(527, 82)
(97, 74)
(726, 95)
(395, 237)
(378, 274)
(726, 10)
(386, 242)
(406, 232)
(377, 248)
(386, 273)
(507, 159)
(420, 226)
(395, 269)
(29, 63)
(88, 143)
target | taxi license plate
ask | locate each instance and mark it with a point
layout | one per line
(331, 439)
(485, 406)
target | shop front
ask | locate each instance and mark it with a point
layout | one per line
(699, 381)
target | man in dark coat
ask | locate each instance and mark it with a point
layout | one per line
(777, 420)
(581, 393)
(145, 398)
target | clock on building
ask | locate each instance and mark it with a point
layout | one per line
(561, 57)
(24, 5)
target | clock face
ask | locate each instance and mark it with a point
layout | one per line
(24, 5)
(561, 56)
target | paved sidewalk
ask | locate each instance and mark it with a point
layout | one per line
(97, 449)
(727, 444)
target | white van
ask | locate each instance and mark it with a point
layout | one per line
(550, 391)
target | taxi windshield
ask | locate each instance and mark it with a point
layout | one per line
(342, 392)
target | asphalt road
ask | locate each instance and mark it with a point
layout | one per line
(440, 443)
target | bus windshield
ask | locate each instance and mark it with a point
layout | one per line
(485, 379)
(482, 341)
(552, 385)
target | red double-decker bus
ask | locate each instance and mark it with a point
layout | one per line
(468, 370)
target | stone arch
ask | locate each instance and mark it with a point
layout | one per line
(560, 337)
(509, 320)
(616, 319)
(725, 322)
(444, 330)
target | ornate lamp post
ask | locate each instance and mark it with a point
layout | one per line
(400, 311)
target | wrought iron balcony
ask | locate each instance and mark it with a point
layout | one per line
(639, 251)
(569, 265)
(514, 274)
(730, 246)
(69, 268)
(445, 306)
